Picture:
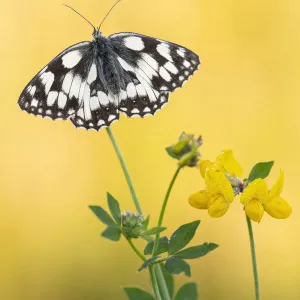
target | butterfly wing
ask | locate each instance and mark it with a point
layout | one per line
(166, 65)
(154, 68)
(57, 90)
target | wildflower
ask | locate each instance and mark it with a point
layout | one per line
(275, 206)
(216, 197)
(225, 162)
(132, 224)
(186, 150)
(253, 198)
(257, 199)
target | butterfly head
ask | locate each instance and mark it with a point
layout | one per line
(97, 34)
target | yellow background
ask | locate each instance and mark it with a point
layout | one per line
(245, 96)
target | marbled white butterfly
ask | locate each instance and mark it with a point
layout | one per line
(92, 82)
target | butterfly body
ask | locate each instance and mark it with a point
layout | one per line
(92, 82)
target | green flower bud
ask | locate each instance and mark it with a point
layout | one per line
(186, 150)
(132, 224)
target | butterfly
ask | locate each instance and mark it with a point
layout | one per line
(91, 82)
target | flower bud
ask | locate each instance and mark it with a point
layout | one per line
(132, 224)
(186, 150)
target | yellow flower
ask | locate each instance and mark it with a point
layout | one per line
(225, 162)
(257, 199)
(253, 198)
(216, 197)
(275, 206)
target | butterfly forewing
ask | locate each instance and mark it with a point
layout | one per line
(164, 65)
(56, 91)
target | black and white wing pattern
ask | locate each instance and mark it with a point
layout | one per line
(56, 91)
(91, 82)
(154, 68)
(70, 87)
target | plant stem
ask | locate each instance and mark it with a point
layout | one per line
(162, 282)
(253, 255)
(163, 209)
(140, 255)
(125, 170)
(152, 272)
(154, 284)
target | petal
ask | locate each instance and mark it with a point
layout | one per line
(204, 165)
(199, 200)
(218, 208)
(217, 184)
(254, 210)
(231, 165)
(278, 208)
(277, 187)
(256, 190)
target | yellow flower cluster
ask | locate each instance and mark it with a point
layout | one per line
(223, 182)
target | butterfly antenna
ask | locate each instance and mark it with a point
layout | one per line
(79, 15)
(109, 13)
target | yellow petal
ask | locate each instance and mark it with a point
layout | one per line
(254, 210)
(204, 165)
(199, 200)
(217, 184)
(231, 165)
(278, 186)
(256, 190)
(278, 208)
(218, 208)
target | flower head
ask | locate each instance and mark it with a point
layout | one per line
(275, 206)
(216, 197)
(186, 150)
(223, 182)
(132, 224)
(257, 200)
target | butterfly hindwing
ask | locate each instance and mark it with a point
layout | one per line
(99, 107)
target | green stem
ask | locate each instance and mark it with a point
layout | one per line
(162, 283)
(153, 278)
(254, 264)
(140, 255)
(163, 209)
(125, 170)
(154, 284)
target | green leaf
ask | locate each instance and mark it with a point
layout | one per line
(169, 280)
(134, 293)
(102, 215)
(260, 170)
(154, 230)
(146, 222)
(175, 265)
(182, 236)
(114, 208)
(148, 262)
(187, 292)
(112, 233)
(171, 153)
(196, 251)
(162, 246)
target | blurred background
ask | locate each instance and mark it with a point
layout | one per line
(244, 97)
